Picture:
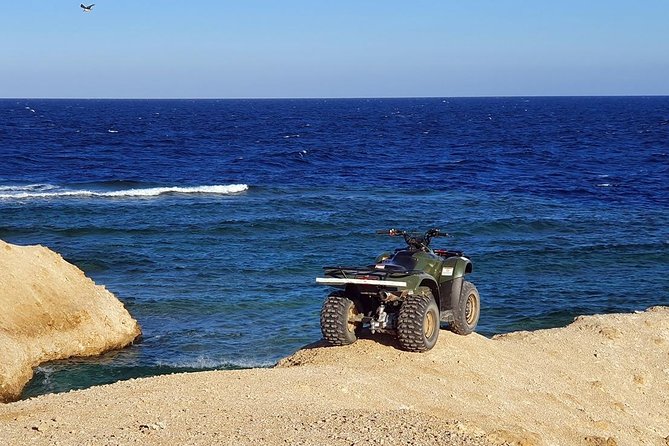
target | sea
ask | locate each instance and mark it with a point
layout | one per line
(211, 219)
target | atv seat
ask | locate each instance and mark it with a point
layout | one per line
(401, 262)
(392, 267)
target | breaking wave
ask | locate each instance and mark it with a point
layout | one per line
(28, 188)
(207, 363)
(49, 191)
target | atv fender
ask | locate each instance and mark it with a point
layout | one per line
(450, 283)
(454, 267)
(447, 290)
(424, 279)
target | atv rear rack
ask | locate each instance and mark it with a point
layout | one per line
(339, 275)
(334, 281)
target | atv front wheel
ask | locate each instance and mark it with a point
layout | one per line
(466, 310)
(340, 321)
(418, 322)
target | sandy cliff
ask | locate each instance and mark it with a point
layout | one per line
(601, 381)
(50, 310)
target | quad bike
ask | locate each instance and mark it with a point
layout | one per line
(407, 293)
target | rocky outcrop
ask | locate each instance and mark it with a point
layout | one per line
(601, 381)
(51, 310)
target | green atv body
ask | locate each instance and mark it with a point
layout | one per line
(408, 293)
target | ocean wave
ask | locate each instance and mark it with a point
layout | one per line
(204, 363)
(48, 191)
(27, 187)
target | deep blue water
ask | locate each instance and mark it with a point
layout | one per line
(562, 204)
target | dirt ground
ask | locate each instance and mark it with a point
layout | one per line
(601, 381)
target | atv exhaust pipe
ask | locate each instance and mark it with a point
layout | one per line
(387, 296)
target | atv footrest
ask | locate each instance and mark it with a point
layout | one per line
(446, 316)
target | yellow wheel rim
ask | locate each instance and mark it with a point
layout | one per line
(471, 309)
(430, 324)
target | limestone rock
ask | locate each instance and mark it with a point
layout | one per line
(51, 310)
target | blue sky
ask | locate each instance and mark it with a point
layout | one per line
(344, 48)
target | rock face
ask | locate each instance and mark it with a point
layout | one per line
(51, 310)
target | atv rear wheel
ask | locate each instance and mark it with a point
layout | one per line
(466, 310)
(418, 322)
(340, 320)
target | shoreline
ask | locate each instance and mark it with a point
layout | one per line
(602, 380)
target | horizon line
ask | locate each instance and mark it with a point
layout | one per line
(263, 98)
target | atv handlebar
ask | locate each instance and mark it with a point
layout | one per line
(415, 240)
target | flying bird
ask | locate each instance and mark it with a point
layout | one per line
(88, 8)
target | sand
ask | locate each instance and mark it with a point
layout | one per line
(603, 380)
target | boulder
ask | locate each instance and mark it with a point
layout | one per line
(51, 310)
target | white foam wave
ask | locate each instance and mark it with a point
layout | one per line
(204, 362)
(27, 187)
(24, 192)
